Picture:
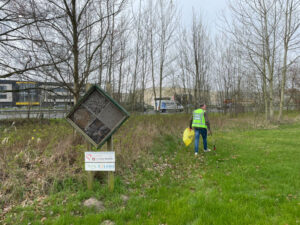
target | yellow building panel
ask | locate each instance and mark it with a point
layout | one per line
(25, 82)
(27, 103)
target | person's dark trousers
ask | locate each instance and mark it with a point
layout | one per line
(203, 132)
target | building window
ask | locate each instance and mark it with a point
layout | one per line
(29, 94)
(60, 89)
(3, 88)
(3, 96)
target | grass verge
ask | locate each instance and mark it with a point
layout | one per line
(252, 178)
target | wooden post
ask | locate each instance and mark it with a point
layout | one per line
(111, 178)
(90, 175)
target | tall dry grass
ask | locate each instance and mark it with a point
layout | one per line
(136, 137)
(35, 156)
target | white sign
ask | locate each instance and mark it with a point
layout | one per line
(100, 166)
(96, 157)
(99, 161)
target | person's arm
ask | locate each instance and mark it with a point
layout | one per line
(207, 122)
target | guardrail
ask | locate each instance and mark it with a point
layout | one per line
(32, 113)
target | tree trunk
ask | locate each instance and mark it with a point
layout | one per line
(75, 53)
(284, 70)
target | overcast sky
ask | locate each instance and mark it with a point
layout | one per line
(209, 9)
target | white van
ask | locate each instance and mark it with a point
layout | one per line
(167, 106)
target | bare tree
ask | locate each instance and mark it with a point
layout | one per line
(153, 37)
(145, 65)
(255, 28)
(195, 60)
(123, 54)
(234, 80)
(291, 41)
(183, 64)
(167, 19)
(15, 18)
(201, 53)
(67, 42)
(150, 32)
(137, 46)
(293, 86)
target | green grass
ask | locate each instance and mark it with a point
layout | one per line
(252, 178)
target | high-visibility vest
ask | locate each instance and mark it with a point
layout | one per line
(199, 119)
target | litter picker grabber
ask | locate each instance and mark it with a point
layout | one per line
(214, 142)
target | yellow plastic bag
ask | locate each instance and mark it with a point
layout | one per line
(188, 136)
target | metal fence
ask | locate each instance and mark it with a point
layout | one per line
(32, 113)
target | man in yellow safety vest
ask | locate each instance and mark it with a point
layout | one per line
(200, 123)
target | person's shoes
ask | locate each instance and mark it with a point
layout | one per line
(207, 150)
(196, 153)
